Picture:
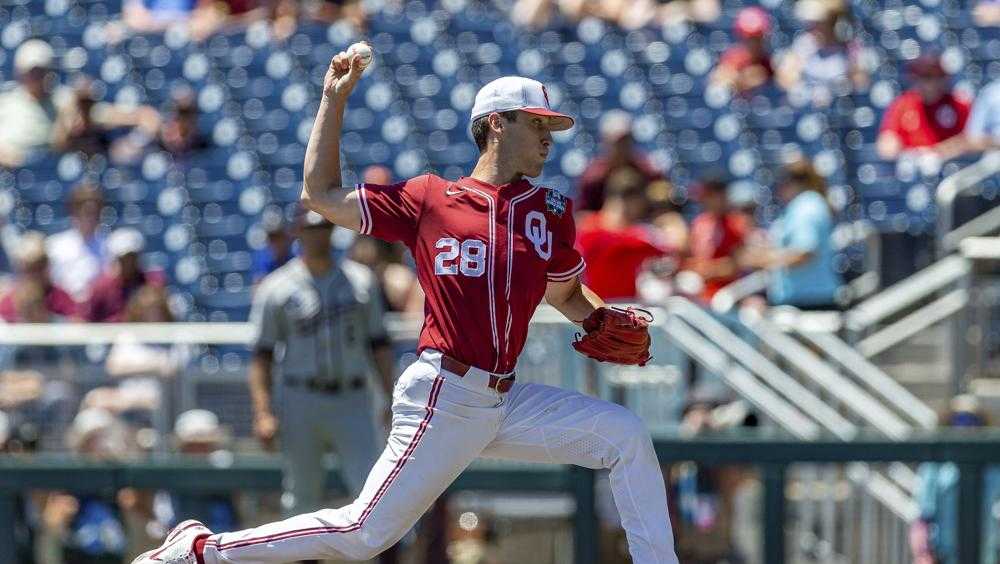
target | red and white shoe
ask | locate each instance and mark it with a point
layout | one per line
(178, 547)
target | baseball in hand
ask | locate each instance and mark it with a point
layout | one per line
(362, 49)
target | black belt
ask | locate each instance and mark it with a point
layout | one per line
(334, 387)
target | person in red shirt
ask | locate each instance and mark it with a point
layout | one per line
(925, 115)
(615, 241)
(33, 280)
(746, 65)
(488, 247)
(113, 289)
(619, 153)
(717, 235)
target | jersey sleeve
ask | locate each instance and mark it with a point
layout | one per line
(566, 262)
(265, 322)
(391, 212)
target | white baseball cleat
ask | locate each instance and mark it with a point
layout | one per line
(178, 547)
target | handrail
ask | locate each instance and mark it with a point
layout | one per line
(887, 492)
(731, 294)
(807, 363)
(907, 292)
(984, 224)
(762, 367)
(881, 383)
(952, 187)
(934, 312)
(774, 406)
(203, 333)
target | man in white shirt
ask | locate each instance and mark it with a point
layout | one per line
(77, 255)
(28, 111)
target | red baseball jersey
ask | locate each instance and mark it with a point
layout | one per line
(484, 255)
(921, 125)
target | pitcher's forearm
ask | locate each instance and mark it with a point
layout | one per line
(322, 161)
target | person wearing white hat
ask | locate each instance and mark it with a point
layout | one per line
(112, 290)
(28, 110)
(488, 248)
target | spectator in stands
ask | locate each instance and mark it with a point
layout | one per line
(619, 153)
(122, 279)
(22, 394)
(397, 280)
(746, 65)
(641, 13)
(982, 130)
(711, 500)
(149, 304)
(85, 124)
(151, 16)
(717, 236)
(276, 253)
(800, 253)
(179, 134)
(934, 535)
(987, 13)
(925, 115)
(389, 261)
(616, 241)
(12, 441)
(77, 255)
(88, 529)
(28, 110)
(211, 16)
(822, 62)
(351, 11)
(33, 297)
(4, 431)
(199, 433)
(539, 14)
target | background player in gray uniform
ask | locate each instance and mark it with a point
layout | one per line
(322, 321)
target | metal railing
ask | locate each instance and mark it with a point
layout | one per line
(771, 454)
(871, 376)
(888, 494)
(954, 186)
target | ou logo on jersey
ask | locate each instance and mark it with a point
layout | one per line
(540, 237)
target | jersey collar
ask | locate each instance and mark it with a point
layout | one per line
(511, 188)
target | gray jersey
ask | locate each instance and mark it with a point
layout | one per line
(320, 328)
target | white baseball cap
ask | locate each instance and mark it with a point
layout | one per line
(518, 93)
(125, 240)
(198, 426)
(33, 53)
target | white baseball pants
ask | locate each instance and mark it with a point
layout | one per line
(441, 423)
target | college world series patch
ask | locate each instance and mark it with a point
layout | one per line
(555, 202)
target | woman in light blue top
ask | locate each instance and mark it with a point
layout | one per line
(801, 253)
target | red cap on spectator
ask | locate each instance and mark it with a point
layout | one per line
(928, 65)
(752, 22)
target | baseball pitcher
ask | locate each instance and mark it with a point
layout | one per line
(488, 248)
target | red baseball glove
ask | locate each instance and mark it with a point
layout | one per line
(616, 335)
